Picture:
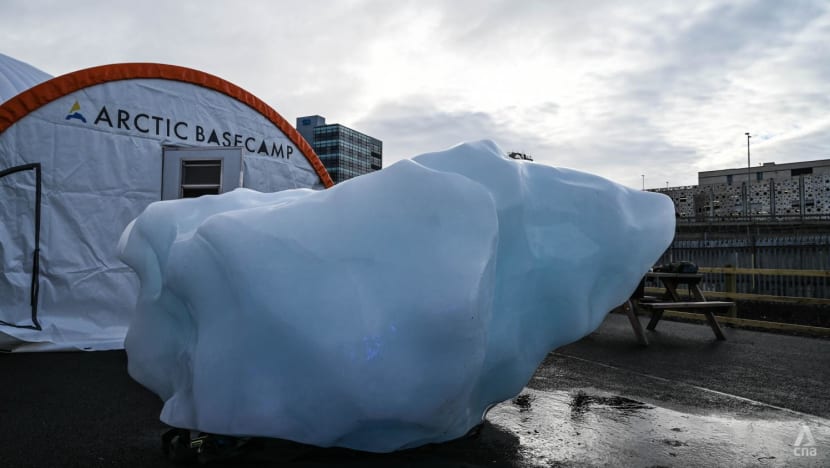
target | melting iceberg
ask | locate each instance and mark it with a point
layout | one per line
(387, 312)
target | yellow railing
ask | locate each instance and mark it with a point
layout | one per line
(731, 283)
(730, 293)
(766, 271)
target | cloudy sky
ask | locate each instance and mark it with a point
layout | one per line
(618, 88)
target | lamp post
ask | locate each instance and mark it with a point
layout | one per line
(748, 175)
(644, 181)
(750, 243)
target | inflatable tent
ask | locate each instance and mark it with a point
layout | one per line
(83, 154)
(17, 76)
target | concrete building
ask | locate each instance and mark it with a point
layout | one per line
(345, 152)
(767, 171)
(775, 190)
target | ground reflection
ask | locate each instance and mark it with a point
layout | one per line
(587, 427)
(592, 428)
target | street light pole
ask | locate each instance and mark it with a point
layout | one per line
(644, 181)
(748, 175)
(750, 243)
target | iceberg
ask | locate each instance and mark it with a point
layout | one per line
(387, 312)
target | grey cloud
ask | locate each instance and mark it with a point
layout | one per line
(620, 149)
(644, 69)
(695, 60)
(807, 145)
(413, 126)
(549, 107)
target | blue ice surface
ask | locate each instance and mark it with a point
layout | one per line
(387, 312)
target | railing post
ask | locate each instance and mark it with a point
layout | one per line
(730, 281)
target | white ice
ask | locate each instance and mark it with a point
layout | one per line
(387, 312)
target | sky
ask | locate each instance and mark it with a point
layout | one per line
(645, 93)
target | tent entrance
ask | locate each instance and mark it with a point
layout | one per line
(193, 172)
(20, 188)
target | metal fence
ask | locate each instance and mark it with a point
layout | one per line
(739, 218)
(773, 254)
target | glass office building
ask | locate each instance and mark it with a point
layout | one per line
(346, 153)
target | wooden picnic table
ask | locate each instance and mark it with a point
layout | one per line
(672, 281)
(672, 299)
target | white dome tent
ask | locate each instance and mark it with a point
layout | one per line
(83, 154)
(17, 76)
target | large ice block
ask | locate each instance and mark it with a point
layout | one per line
(387, 312)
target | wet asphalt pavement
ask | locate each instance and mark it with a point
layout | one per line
(686, 400)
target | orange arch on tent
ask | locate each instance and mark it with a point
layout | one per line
(24, 103)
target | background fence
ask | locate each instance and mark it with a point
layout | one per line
(795, 265)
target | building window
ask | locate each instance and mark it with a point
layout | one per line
(729, 180)
(201, 178)
(801, 171)
(759, 176)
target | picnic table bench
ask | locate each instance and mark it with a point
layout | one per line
(706, 307)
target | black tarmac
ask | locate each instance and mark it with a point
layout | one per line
(685, 400)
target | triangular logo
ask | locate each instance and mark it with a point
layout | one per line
(75, 113)
(805, 437)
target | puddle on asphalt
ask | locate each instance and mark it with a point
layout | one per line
(592, 428)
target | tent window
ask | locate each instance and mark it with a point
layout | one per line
(201, 178)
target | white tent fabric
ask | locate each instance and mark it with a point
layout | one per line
(17, 76)
(100, 151)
